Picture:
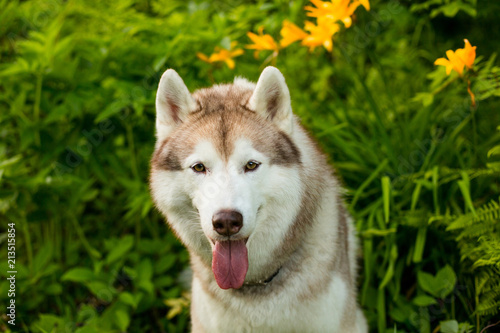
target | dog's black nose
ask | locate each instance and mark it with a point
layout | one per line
(227, 222)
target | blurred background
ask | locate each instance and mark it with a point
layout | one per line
(416, 148)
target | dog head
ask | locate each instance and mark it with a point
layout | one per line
(225, 171)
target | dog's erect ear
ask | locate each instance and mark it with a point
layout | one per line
(173, 103)
(271, 98)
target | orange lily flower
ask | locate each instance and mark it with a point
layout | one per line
(452, 63)
(262, 42)
(467, 54)
(291, 33)
(222, 55)
(459, 59)
(341, 10)
(320, 34)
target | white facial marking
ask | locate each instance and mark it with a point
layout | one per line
(268, 197)
(225, 185)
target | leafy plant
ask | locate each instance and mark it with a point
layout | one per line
(449, 8)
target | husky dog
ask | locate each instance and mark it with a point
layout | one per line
(247, 191)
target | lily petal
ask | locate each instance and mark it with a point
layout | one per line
(229, 62)
(291, 33)
(365, 3)
(202, 57)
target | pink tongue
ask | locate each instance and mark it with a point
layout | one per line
(230, 263)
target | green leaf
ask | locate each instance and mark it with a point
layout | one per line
(11, 161)
(451, 9)
(494, 166)
(465, 328)
(427, 282)
(447, 278)
(494, 151)
(415, 196)
(378, 232)
(145, 270)
(164, 264)
(440, 285)
(419, 244)
(368, 181)
(122, 319)
(425, 98)
(147, 286)
(128, 298)
(449, 326)
(390, 270)
(49, 323)
(163, 281)
(145, 275)
(425, 5)
(78, 274)
(42, 258)
(386, 192)
(464, 186)
(152, 246)
(101, 290)
(53, 289)
(124, 245)
(435, 194)
(112, 109)
(424, 300)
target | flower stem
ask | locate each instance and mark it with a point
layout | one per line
(81, 234)
(443, 87)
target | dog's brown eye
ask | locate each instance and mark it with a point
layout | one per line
(251, 165)
(198, 167)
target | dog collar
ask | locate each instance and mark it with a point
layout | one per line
(262, 282)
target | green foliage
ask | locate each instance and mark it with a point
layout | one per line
(440, 285)
(452, 326)
(449, 8)
(478, 241)
(420, 164)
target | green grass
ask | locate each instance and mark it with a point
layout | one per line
(77, 87)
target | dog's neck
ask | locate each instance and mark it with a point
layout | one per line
(262, 282)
